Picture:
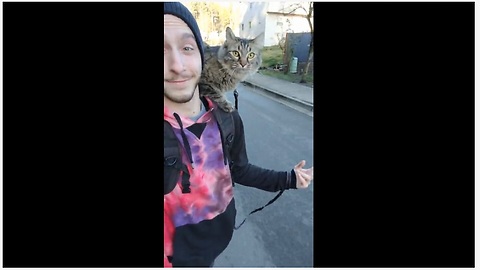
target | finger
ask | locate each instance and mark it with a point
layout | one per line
(302, 184)
(308, 171)
(305, 176)
(301, 181)
(300, 164)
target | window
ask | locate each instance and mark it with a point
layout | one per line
(242, 26)
(250, 24)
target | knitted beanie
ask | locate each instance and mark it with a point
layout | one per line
(178, 10)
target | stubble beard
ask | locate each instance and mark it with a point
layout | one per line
(183, 98)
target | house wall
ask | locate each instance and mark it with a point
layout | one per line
(240, 9)
(277, 26)
(253, 20)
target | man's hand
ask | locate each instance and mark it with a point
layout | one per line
(304, 176)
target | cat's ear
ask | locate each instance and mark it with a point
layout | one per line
(259, 40)
(205, 45)
(230, 35)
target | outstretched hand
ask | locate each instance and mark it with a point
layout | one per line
(304, 176)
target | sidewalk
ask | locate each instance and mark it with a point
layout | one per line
(302, 95)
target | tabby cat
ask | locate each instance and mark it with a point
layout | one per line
(232, 63)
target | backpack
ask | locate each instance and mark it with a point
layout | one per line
(173, 165)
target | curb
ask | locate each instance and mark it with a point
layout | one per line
(305, 105)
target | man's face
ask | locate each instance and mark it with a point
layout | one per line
(182, 62)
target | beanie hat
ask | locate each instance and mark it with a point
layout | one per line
(178, 10)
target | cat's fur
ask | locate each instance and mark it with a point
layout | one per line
(232, 63)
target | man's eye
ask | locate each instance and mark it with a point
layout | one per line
(188, 49)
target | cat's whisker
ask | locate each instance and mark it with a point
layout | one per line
(232, 72)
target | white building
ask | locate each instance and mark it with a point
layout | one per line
(274, 18)
(250, 19)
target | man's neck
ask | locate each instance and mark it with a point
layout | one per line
(188, 109)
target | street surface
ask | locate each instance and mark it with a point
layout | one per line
(281, 235)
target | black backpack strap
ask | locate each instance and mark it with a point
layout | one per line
(259, 209)
(172, 160)
(235, 93)
(226, 126)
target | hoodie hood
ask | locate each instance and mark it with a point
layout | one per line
(169, 116)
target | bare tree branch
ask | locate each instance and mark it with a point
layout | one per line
(293, 8)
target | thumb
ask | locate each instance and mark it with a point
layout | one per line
(300, 165)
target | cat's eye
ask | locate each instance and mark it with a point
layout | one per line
(251, 55)
(235, 53)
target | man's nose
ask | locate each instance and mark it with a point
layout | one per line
(176, 62)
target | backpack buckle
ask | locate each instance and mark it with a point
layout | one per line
(170, 161)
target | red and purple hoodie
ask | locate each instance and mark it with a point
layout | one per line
(199, 225)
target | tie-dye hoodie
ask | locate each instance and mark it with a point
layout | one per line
(199, 225)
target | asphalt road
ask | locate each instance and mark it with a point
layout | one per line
(281, 235)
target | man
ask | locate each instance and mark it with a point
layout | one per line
(199, 208)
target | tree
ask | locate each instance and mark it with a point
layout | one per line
(307, 14)
(225, 15)
(211, 16)
(281, 41)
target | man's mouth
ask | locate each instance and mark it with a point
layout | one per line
(177, 80)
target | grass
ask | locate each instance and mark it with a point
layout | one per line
(272, 56)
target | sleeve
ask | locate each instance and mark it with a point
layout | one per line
(250, 175)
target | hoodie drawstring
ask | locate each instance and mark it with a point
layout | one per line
(185, 178)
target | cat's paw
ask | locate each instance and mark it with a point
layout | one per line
(227, 107)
